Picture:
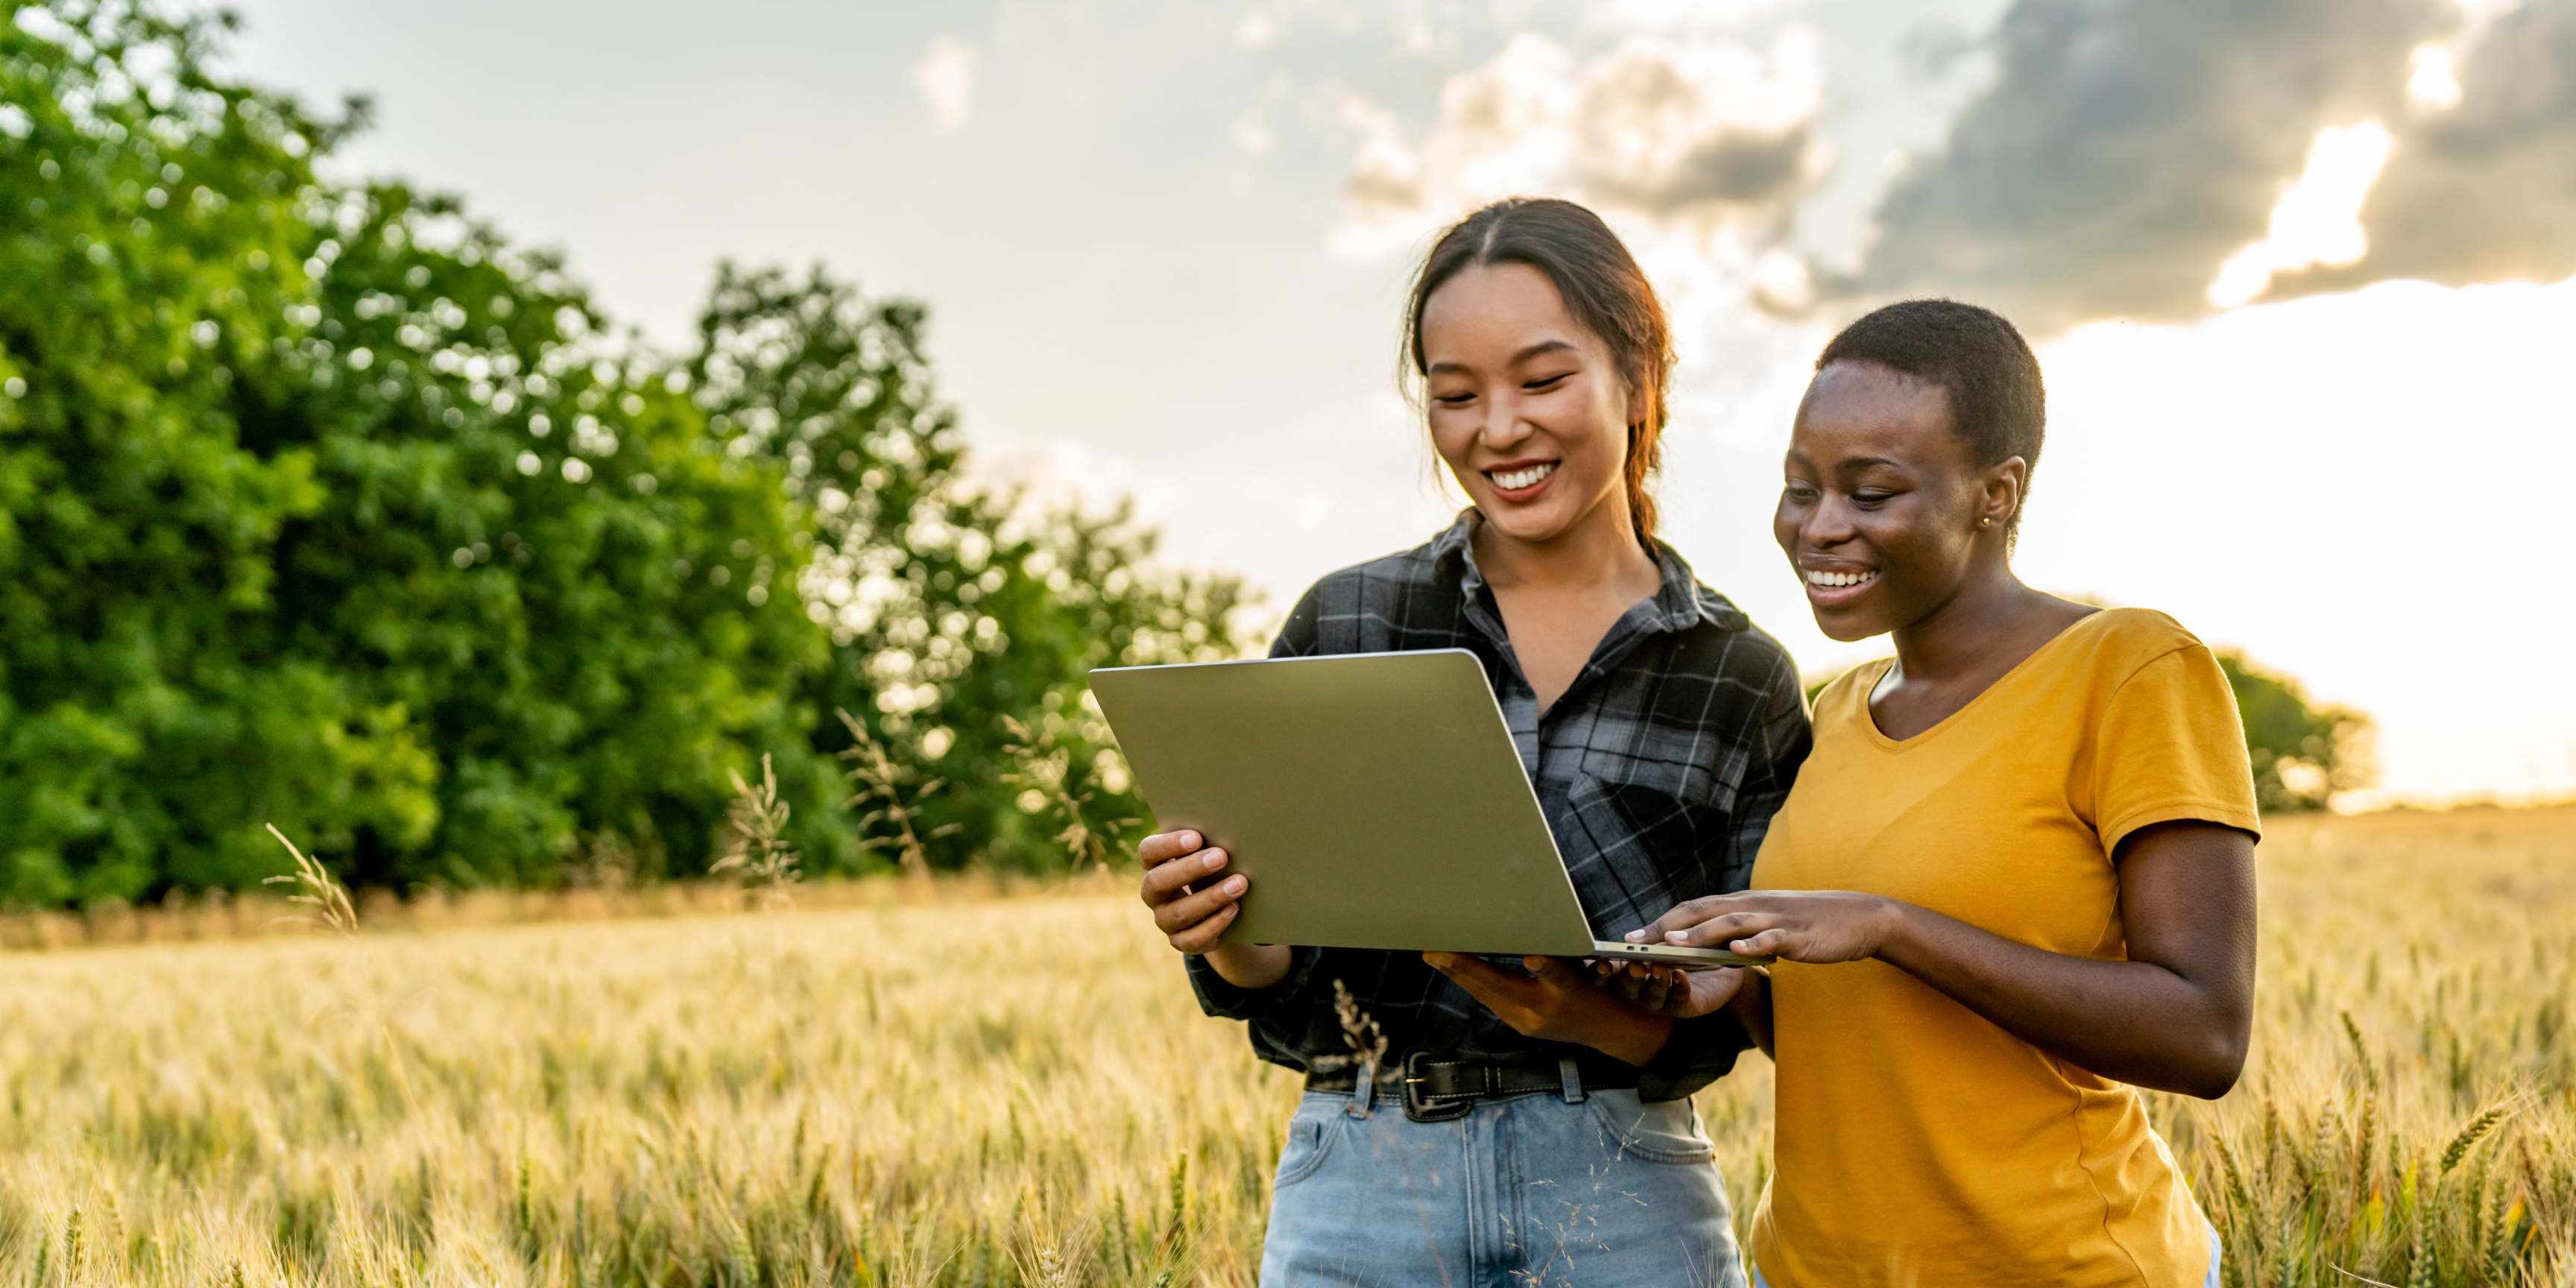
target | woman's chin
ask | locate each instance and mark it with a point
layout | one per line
(1535, 525)
(1847, 625)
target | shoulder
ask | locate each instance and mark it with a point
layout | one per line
(1362, 608)
(1740, 664)
(2117, 643)
(1403, 570)
(1725, 643)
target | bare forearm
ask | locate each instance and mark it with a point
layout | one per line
(2137, 1022)
(1250, 966)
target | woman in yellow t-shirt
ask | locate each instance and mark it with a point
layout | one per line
(2014, 881)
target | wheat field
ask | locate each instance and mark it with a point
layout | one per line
(892, 1085)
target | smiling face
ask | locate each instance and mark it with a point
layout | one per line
(1883, 511)
(1526, 405)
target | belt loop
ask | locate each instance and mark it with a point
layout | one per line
(1570, 1075)
(1364, 1091)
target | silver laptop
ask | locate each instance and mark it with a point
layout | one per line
(1375, 800)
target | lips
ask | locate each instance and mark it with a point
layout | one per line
(1831, 579)
(1521, 478)
(1834, 587)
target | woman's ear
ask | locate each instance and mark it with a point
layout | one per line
(1637, 394)
(2005, 482)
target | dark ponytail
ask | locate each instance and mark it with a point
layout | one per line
(1603, 289)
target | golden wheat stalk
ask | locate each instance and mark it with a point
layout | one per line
(316, 888)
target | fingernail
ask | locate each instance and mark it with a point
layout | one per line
(1636, 936)
(1213, 861)
(1234, 885)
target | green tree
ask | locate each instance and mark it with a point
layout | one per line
(950, 608)
(2304, 754)
(324, 506)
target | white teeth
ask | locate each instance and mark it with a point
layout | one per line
(1837, 579)
(1518, 479)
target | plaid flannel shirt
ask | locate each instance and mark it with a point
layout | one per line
(1658, 769)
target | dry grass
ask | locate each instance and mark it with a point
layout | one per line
(893, 1085)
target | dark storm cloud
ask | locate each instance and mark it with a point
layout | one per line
(2128, 147)
(2486, 191)
(1744, 168)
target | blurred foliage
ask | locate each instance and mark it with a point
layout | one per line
(324, 506)
(2304, 754)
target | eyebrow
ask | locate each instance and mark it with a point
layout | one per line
(1543, 346)
(1855, 463)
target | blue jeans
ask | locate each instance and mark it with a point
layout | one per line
(2216, 1259)
(1604, 1192)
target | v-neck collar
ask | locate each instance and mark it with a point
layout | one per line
(2011, 677)
(1679, 603)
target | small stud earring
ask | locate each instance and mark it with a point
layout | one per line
(1985, 523)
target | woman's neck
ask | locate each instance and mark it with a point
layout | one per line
(1599, 550)
(1963, 636)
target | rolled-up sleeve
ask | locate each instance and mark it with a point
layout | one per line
(1227, 1002)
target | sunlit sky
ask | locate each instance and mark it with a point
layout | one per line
(2302, 273)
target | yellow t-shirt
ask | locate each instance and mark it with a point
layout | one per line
(1918, 1145)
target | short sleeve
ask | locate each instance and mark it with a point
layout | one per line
(2171, 747)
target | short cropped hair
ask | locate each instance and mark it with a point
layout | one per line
(1997, 403)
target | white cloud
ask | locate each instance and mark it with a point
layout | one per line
(945, 77)
(1707, 133)
(2318, 221)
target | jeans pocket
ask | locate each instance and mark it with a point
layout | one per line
(1310, 1137)
(1666, 1131)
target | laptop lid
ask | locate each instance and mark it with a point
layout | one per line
(1375, 799)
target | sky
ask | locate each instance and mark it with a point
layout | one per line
(2301, 273)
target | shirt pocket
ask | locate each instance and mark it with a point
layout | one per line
(1669, 769)
(1642, 831)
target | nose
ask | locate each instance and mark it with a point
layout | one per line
(1828, 523)
(1504, 428)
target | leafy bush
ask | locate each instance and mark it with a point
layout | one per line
(324, 506)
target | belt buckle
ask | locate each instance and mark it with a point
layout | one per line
(1417, 1105)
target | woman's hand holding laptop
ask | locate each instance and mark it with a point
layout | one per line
(1193, 901)
(1559, 1001)
(1193, 905)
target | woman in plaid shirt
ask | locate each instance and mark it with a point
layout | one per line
(1545, 1132)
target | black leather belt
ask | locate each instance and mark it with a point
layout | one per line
(1439, 1090)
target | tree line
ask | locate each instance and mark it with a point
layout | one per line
(323, 505)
